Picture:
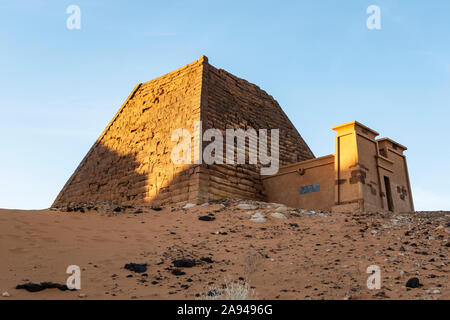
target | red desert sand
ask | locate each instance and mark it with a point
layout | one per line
(281, 253)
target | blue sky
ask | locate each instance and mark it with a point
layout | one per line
(59, 88)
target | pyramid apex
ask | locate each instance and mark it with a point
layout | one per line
(203, 59)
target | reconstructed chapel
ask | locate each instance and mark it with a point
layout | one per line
(130, 163)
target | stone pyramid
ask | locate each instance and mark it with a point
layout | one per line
(130, 163)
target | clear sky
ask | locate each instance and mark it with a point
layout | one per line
(59, 88)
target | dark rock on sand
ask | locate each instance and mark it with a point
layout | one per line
(183, 263)
(35, 287)
(413, 283)
(178, 272)
(212, 293)
(207, 260)
(135, 267)
(206, 218)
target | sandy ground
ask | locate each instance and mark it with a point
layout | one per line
(308, 255)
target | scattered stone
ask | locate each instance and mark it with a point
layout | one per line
(281, 209)
(437, 291)
(278, 215)
(138, 211)
(184, 263)
(117, 209)
(206, 218)
(6, 294)
(247, 206)
(381, 294)
(258, 217)
(36, 287)
(413, 283)
(189, 205)
(213, 293)
(156, 208)
(82, 295)
(178, 272)
(207, 260)
(136, 267)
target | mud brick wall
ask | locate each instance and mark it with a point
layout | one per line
(232, 103)
(131, 163)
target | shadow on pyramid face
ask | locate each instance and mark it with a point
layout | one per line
(106, 175)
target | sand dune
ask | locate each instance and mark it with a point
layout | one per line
(307, 255)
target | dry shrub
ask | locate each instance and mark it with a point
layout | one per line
(231, 290)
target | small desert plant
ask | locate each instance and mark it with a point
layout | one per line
(231, 290)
